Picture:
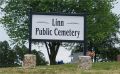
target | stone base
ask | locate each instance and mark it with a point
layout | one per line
(29, 61)
(118, 58)
(85, 62)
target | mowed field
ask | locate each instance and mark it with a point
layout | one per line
(97, 68)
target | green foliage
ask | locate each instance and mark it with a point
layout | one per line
(102, 24)
(12, 57)
(108, 54)
(40, 59)
(100, 20)
(7, 56)
(21, 51)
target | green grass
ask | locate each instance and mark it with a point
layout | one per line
(97, 68)
(106, 66)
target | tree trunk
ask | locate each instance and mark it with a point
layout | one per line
(52, 49)
(52, 60)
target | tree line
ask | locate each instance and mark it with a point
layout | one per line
(102, 23)
(14, 56)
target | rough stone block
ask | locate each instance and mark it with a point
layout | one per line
(85, 62)
(29, 61)
(118, 58)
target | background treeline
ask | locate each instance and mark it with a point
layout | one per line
(102, 24)
(14, 56)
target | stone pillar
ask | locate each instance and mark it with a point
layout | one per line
(118, 58)
(29, 61)
(85, 62)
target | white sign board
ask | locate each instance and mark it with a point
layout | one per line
(57, 27)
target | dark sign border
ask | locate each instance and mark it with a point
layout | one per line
(58, 14)
(50, 40)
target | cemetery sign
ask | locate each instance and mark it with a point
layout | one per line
(57, 27)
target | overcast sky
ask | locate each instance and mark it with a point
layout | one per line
(116, 8)
(63, 54)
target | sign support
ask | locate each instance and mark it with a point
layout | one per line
(85, 36)
(30, 30)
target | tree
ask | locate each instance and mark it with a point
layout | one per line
(7, 55)
(21, 51)
(52, 49)
(100, 20)
(40, 59)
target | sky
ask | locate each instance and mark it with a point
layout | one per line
(116, 8)
(63, 54)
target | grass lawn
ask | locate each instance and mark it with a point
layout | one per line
(98, 68)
